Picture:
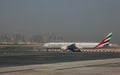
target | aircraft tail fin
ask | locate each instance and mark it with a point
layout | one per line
(105, 41)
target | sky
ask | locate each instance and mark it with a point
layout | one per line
(75, 20)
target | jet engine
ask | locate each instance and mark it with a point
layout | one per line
(73, 48)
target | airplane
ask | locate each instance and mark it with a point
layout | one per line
(77, 46)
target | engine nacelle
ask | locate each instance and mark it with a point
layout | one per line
(71, 47)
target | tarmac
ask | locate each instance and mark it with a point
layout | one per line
(88, 67)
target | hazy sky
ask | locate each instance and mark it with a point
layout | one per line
(76, 20)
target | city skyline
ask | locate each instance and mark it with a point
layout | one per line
(40, 38)
(75, 20)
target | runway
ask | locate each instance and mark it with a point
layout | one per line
(88, 67)
(60, 63)
(52, 57)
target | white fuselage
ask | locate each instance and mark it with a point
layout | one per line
(79, 45)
